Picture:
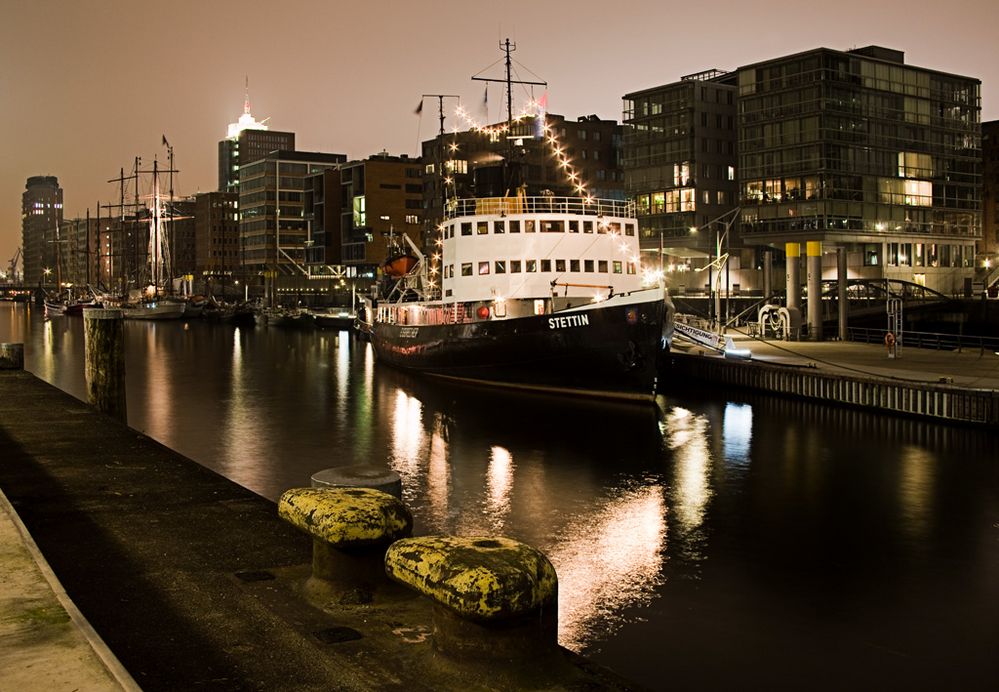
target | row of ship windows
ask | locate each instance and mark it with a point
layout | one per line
(544, 226)
(531, 266)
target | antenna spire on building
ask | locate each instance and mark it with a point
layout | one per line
(246, 101)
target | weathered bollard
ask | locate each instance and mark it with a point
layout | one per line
(350, 529)
(11, 356)
(360, 476)
(495, 599)
(104, 338)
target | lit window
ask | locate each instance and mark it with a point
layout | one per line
(483, 268)
(466, 269)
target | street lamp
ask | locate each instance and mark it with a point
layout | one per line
(728, 220)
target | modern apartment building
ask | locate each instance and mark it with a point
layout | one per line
(679, 156)
(273, 230)
(41, 216)
(850, 149)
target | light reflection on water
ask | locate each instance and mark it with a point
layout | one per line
(718, 528)
(609, 560)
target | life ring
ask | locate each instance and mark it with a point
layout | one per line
(889, 340)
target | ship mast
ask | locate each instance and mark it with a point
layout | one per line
(508, 47)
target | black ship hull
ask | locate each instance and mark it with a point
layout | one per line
(610, 351)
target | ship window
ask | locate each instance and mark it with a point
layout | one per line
(529, 226)
(601, 227)
(560, 265)
(552, 226)
(466, 228)
(602, 266)
(614, 227)
(546, 265)
(574, 265)
(515, 226)
(574, 226)
(587, 227)
(483, 268)
(539, 307)
(498, 226)
(482, 227)
(514, 266)
(447, 293)
(466, 269)
(617, 266)
(631, 267)
(500, 267)
(587, 265)
(629, 229)
(531, 266)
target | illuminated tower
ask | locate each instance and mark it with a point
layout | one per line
(247, 141)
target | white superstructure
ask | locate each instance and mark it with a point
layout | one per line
(531, 247)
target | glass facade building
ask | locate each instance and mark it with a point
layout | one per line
(854, 149)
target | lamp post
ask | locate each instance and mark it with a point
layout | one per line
(720, 260)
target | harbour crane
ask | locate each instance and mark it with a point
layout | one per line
(12, 272)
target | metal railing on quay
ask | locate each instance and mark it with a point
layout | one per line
(930, 340)
(505, 206)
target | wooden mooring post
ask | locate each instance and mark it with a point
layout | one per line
(104, 338)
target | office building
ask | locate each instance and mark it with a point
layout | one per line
(247, 141)
(850, 149)
(272, 228)
(41, 216)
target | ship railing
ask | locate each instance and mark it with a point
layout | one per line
(506, 206)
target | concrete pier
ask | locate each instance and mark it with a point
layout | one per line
(941, 385)
(194, 582)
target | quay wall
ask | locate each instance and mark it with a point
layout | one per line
(937, 401)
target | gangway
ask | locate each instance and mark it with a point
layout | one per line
(721, 344)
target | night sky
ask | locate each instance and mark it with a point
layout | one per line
(85, 86)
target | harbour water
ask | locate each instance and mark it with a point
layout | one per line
(724, 540)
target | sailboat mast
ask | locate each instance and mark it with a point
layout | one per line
(135, 225)
(154, 235)
(88, 246)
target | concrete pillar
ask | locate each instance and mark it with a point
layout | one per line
(814, 268)
(841, 289)
(11, 356)
(793, 275)
(104, 345)
(768, 273)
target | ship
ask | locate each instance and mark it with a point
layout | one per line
(536, 293)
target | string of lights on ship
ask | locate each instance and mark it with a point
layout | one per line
(565, 164)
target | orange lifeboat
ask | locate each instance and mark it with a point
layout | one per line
(399, 265)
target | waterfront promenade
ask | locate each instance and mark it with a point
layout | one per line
(947, 385)
(969, 368)
(191, 580)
